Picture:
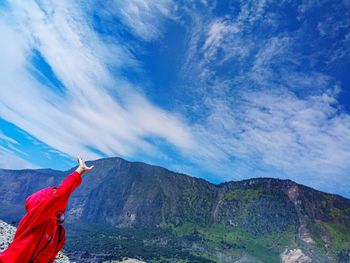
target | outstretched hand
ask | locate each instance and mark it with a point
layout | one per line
(82, 168)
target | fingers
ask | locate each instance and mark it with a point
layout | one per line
(83, 165)
(80, 161)
(90, 167)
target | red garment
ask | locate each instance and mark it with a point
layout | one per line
(35, 230)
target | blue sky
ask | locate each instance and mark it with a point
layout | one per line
(224, 90)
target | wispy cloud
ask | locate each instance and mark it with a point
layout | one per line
(266, 117)
(144, 18)
(6, 138)
(259, 98)
(221, 36)
(85, 115)
(10, 160)
(277, 134)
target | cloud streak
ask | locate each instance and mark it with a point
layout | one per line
(86, 115)
(266, 117)
(143, 18)
(256, 96)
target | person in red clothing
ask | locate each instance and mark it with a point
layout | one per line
(40, 234)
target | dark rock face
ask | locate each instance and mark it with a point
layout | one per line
(17, 185)
(140, 195)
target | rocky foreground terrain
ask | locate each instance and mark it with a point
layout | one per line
(7, 233)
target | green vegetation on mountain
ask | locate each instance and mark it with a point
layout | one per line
(125, 209)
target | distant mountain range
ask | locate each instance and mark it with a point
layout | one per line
(142, 211)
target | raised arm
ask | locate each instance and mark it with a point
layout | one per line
(82, 168)
(54, 201)
(72, 181)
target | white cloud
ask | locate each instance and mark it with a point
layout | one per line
(336, 30)
(6, 138)
(222, 36)
(217, 31)
(252, 12)
(144, 17)
(11, 145)
(247, 123)
(85, 115)
(298, 135)
(217, 41)
(11, 160)
(274, 114)
(305, 140)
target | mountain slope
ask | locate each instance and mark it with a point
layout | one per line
(158, 212)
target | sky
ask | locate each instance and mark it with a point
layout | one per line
(223, 90)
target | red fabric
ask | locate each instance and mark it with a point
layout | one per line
(39, 225)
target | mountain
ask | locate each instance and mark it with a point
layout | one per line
(138, 210)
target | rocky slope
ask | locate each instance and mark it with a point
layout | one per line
(7, 232)
(259, 220)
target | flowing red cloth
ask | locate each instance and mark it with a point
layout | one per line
(39, 237)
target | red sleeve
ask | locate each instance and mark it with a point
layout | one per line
(60, 245)
(69, 184)
(55, 201)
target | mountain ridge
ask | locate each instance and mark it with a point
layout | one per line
(89, 162)
(245, 217)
